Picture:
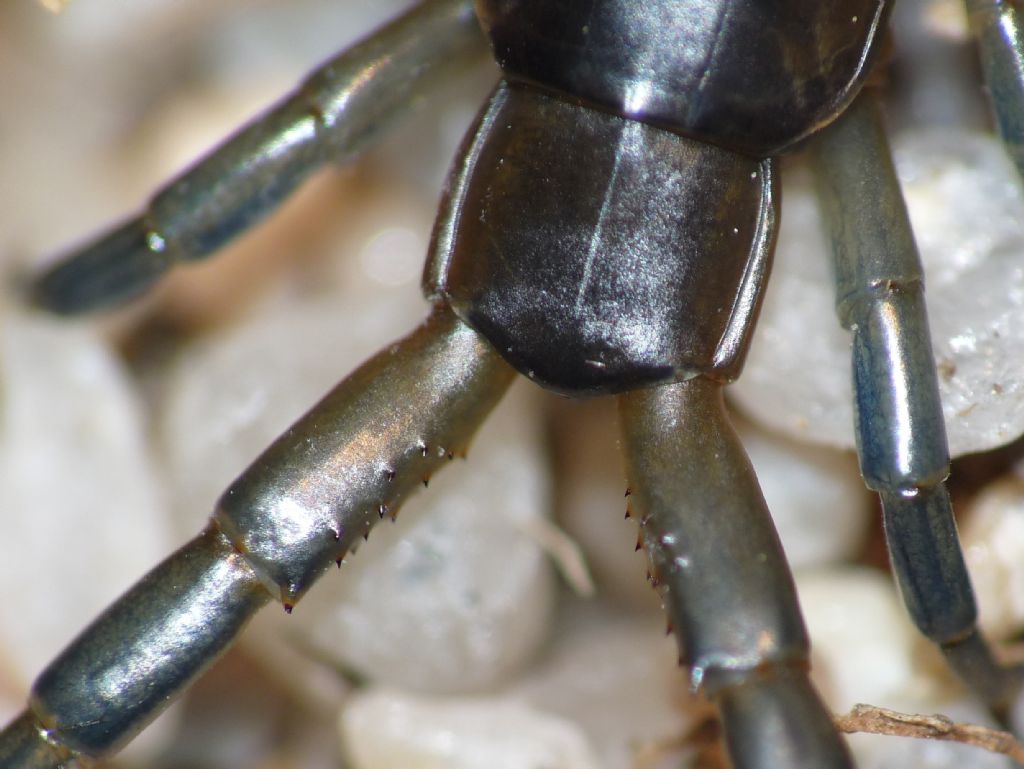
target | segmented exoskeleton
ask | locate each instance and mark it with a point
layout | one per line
(608, 228)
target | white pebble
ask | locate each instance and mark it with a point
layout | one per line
(861, 636)
(616, 675)
(966, 206)
(228, 396)
(993, 542)
(610, 681)
(83, 510)
(591, 506)
(817, 499)
(390, 729)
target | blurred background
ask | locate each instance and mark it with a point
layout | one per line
(505, 618)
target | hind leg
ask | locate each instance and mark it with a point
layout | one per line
(717, 561)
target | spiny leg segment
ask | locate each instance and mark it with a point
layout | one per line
(901, 437)
(299, 508)
(718, 563)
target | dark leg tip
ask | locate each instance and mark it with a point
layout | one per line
(114, 268)
(973, 660)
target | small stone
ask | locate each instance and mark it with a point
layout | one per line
(591, 502)
(229, 395)
(615, 674)
(83, 509)
(861, 637)
(610, 680)
(993, 541)
(390, 729)
(816, 496)
(865, 650)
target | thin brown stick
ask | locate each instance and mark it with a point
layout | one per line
(876, 720)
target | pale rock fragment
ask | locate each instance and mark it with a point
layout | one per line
(817, 499)
(966, 206)
(616, 675)
(389, 729)
(993, 541)
(591, 503)
(84, 514)
(861, 637)
(228, 396)
(609, 686)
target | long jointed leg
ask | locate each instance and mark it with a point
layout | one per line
(901, 435)
(997, 24)
(330, 118)
(291, 515)
(717, 560)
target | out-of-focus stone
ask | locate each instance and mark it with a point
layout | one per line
(865, 650)
(616, 675)
(609, 687)
(83, 509)
(390, 729)
(993, 542)
(591, 482)
(815, 494)
(861, 637)
(229, 395)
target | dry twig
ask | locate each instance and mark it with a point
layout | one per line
(876, 720)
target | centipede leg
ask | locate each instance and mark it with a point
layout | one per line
(718, 563)
(300, 507)
(901, 436)
(340, 109)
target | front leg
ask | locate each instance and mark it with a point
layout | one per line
(319, 488)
